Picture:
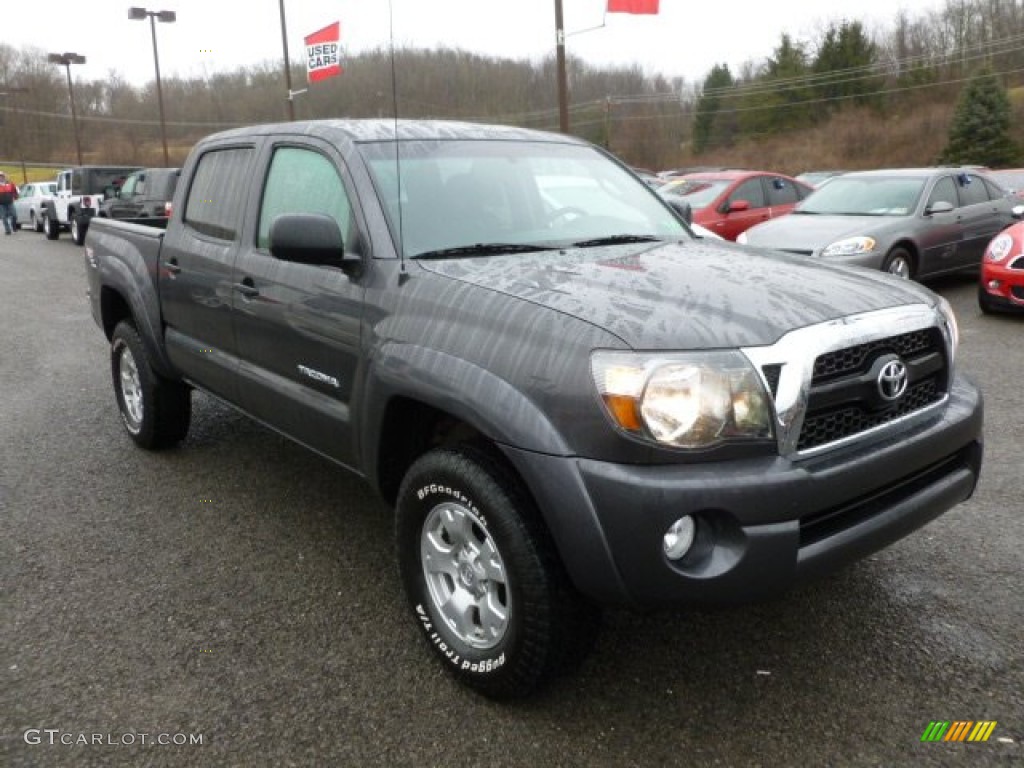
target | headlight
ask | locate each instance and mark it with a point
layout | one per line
(850, 246)
(999, 248)
(949, 317)
(693, 400)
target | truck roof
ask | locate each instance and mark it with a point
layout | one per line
(384, 130)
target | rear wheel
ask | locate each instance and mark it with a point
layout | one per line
(155, 411)
(482, 577)
(900, 263)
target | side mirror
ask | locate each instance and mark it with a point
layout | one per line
(680, 206)
(738, 205)
(939, 207)
(311, 238)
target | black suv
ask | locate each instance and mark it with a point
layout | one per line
(147, 193)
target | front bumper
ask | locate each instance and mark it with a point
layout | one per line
(1009, 293)
(763, 524)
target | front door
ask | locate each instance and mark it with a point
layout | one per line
(298, 325)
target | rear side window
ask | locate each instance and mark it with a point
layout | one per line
(781, 191)
(972, 190)
(214, 203)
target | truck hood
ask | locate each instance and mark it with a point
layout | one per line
(812, 232)
(686, 295)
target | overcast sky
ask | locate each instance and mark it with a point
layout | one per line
(686, 39)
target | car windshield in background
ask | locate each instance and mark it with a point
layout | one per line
(1011, 181)
(699, 193)
(865, 196)
(455, 195)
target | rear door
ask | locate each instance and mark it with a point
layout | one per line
(982, 217)
(196, 262)
(298, 325)
(783, 195)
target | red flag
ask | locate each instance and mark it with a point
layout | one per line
(323, 57)
(633, 6)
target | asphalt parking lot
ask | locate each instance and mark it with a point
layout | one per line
(243, 590)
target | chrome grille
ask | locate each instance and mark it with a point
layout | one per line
(848, 371)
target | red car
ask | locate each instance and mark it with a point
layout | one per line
(730, 202)
(1002, 272)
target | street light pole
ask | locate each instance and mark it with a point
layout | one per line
(14, 107)
(66, 60)
(563, 79)
(169, 17)
(287, 65)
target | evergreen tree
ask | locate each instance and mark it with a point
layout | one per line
(776, 101)
(980, 132)
(707, 108)
(843, 66)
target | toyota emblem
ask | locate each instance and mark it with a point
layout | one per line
(892, 380)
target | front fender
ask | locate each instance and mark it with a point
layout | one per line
(489, 404)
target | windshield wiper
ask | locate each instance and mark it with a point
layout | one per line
(616, 240)
(481, 249)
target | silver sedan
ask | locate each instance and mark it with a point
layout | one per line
(31, 197)
(910, 222)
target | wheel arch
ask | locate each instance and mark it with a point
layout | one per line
(912, 250)
(417, 399)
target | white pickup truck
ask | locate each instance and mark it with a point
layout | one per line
(79, 194)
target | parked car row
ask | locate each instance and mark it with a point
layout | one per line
(78, 194)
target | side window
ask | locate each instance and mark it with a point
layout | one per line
(944, 191)
(129, 186)
(781, 191)
(76, 181)
(972, 190)
(303, 181)
(751, 191)
(214, 204)
(994, 192)
(140, 185)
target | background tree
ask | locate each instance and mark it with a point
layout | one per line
(980, 132)
(778, 99)
(844, 67)
(717, 81)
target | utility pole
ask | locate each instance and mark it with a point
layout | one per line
(563, 80)
(287, 65)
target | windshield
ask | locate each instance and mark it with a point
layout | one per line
(459, 194)
(865, 196)
(699, 193)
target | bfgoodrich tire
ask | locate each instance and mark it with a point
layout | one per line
(482, 577)
(156, 411)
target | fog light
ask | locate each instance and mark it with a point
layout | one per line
(679, 537)
(994, 285)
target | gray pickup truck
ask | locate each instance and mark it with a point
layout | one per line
(566, 397)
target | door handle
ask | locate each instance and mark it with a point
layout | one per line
(247, 288)
(173, 267)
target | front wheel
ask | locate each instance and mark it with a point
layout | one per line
(900, 263)
(37, 225)
(482, 577)
(50, 227)
(155, 411)
(77, 229)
